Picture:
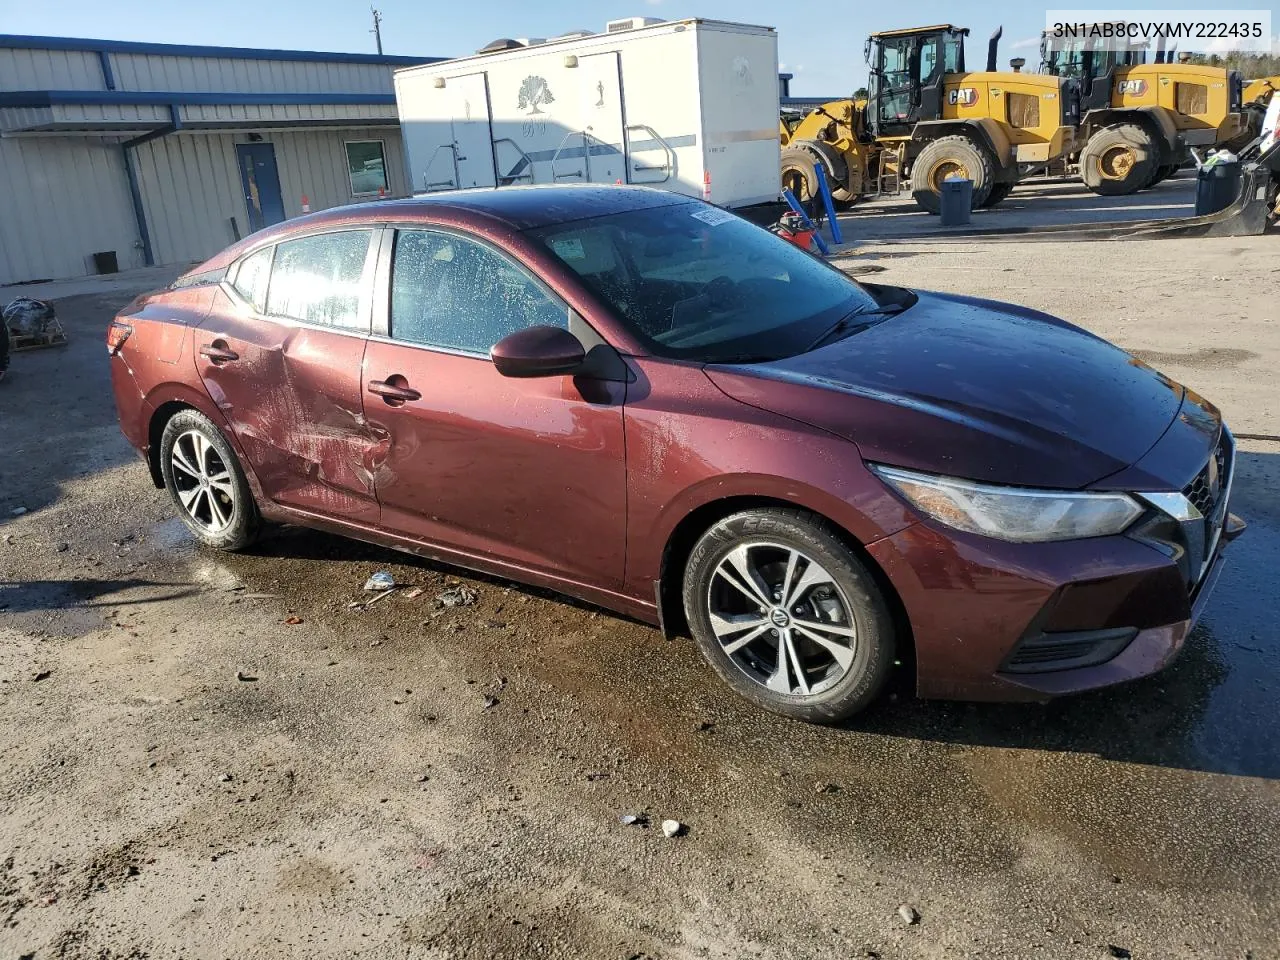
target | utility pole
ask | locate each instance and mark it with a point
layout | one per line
(377, 27)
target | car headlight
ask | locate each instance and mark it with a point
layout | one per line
(1013, 513)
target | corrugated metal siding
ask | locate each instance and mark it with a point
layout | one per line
(191, 185)
(24, 118)
(125, 113)
(219, 75)
(255, 114)
(61, 200)
(51, 70)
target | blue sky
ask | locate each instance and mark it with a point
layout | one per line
(826, 59)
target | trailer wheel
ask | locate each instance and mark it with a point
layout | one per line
(1119, 160)
(999, 193)
(947, 157)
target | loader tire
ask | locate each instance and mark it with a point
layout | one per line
(1163, 172)
(797, 173)
(798, 170)
(999, 193)
(1119, 160)
(948, 156)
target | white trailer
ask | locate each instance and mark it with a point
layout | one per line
(689, 106)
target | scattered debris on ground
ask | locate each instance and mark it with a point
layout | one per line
(380, 581)
(672, 828)
(457, 597)
(909, 914)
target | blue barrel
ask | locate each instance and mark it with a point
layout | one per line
(1217, 185)
(956, 202)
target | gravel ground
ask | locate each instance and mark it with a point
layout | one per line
(213, 756)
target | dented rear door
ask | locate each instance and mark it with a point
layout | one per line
(280, 354)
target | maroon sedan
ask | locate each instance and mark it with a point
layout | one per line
(644, 401)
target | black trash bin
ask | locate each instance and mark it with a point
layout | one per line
(956, 201)
(1217, 186)
(105, 262)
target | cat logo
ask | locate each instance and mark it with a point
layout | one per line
(963, 96)
(1135, 87)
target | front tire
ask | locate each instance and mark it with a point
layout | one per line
(788, 616)
(1119, 160)
(951, 156)
(207, 485)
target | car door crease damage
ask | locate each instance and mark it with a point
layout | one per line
(615, 393)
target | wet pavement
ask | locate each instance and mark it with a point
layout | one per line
(375, 806)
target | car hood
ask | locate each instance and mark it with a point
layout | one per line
(972, 388)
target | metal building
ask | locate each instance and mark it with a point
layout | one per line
(122, 155)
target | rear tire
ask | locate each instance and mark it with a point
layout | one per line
(1119, 160)
(819, 655)
(947, 156)
(207, 485)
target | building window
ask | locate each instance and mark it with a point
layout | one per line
(366, 167)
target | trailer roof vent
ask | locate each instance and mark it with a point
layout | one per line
(630, 23)
(531, 41)
(502, 43)
(574, 35)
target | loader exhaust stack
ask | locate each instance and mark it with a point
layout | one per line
(993, 46)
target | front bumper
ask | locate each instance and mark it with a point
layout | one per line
(973, 603)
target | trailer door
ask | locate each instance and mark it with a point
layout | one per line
(602, 117)
(472, 133)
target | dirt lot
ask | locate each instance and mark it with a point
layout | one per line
(215, 757)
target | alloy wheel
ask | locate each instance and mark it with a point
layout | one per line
(781, 618)
(203, 482)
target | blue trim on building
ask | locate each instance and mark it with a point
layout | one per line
(20, 42)
(165, 98)
(139, 212)
(108, 75)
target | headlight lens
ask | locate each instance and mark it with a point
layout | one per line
(1013, 513)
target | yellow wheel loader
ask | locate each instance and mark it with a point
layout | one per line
(1138, 120)
(927, 118)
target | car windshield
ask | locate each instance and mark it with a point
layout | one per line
(699, 283)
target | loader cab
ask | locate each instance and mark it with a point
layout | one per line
(1090, 62)
(907, 69)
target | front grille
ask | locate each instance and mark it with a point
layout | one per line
(1191, 540)
(1210, 484)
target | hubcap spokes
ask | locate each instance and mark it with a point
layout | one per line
(203, 482)
(781, 618)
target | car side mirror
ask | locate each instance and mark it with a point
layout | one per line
(537, 352)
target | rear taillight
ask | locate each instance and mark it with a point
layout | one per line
(117, 334)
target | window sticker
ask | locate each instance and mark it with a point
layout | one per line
(570, 249)
(712, 216)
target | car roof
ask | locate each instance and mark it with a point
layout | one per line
(529, 207)
(518, 208)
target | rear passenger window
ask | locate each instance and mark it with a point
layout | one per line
(319, 280)
(251, 278)
(460, 295)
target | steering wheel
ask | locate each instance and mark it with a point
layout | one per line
(721, 291)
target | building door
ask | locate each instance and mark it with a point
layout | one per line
(601, 117)
(472, 133)
(261, 182)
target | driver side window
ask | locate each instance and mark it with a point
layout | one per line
(457, 294)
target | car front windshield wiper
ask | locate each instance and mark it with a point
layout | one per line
(851, 323)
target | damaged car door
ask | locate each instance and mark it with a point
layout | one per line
(530, 472)
(280, 355)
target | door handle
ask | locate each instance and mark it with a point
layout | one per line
(393, 393)
(218, 352)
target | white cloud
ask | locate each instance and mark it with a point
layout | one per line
(1025, 43)
(653, 3)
